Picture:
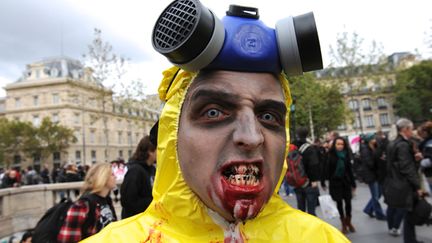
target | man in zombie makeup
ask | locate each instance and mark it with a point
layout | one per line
(223, 132)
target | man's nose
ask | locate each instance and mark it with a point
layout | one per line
(248, 132)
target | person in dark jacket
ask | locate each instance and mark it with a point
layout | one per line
(45, 174)
(426, 149)
(381, 157)
(341, 180)
(307, 196)
(136, 189)
(401, 166)
(370, 176)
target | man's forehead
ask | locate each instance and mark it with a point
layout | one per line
(235, 82)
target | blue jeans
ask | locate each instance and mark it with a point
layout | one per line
(287, 187)
(307, 197)
(394, 217)
(374, 206)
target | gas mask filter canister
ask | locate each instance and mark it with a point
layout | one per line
(191, 37)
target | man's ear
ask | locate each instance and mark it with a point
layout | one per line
(154, 133)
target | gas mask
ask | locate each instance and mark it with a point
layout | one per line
(191, 37)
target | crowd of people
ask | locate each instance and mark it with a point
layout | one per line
(329, 164)
(379, 163)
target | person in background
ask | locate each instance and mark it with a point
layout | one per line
(426, 149)
(307, 196)
(97, 185)
(10, 179)
(370, 169)
(381, 157)
(70, 175)
(45, 174)
(341, 181)
(31, 176)
(136, 189)
(401, 166)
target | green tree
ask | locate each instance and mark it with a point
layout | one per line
(51, 138)
(321, 106)
(413, 92)
(16, 138)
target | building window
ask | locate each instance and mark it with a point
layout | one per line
(76, 118)
(77, 135)
(129, 153)
(55, 118)
(106, 154)
(119, 138)
(36, 100)
(93, 156)
(56, 157)
(366, 104)
(17, 160)
(382, 103)
(105, 137)
(36, 159)
(36, 120)
(78, 156)
(75, 100)
(384, 119)
(369, 121)
(17, 102)
(92, 102)
(92, 136)
(357, 122)
(342, 127)
(55, 98)
(129, 138)
(353, 104)
(37, 73)
(120, 154)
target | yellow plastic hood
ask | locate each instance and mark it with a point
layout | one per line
(176, 213)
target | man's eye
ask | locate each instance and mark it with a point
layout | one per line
(268, 117)
(213, 113)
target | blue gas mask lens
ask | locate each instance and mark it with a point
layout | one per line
(191, 37)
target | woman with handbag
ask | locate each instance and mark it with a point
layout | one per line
(341, 180)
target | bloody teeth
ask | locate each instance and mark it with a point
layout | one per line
(242, 174)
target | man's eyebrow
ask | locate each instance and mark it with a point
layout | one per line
(277, 105)
(215, 94)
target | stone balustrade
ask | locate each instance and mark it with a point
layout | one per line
(22, 207)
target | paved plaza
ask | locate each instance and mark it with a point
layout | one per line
(369, 230)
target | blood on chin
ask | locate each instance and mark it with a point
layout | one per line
(242, 202)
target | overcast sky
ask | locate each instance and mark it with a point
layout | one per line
(31, 30)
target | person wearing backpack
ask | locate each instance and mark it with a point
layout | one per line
(94, 210)
(307, 193)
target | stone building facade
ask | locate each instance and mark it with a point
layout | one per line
(63, 90)
(368, 93)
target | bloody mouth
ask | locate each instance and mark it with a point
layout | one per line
(241, 188)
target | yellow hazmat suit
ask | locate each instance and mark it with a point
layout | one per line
(176, 213)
